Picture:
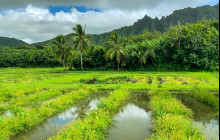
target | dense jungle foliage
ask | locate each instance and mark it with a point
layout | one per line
(183, 47)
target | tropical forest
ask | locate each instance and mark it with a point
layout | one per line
(91, 70)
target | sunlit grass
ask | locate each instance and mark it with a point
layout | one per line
(95, 125)
(30, 96)
(172, 120)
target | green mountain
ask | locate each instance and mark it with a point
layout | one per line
(148, 24)
(68, 37)
(11, 42)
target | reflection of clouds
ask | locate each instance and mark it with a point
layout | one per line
(8, 114)
(132, 123)
(93, 104)
(133, 112)
(51, 126)
(209, 128)
(69, 114)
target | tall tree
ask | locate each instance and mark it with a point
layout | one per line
(60, 48)
(81, 41)
(142, 51)
(70, 57)
(115, 48)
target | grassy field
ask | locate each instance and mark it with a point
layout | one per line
(28, 97)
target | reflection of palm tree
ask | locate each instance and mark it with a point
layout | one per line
(83, 108)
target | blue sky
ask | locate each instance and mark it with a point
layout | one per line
(67, 9)
(83, 9)
(212, 3)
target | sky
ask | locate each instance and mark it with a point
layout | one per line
(39, 20)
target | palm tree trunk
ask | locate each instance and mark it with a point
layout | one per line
(64, 64)
(118, 66)
(82, 61)
(141, 64)
(70, 66)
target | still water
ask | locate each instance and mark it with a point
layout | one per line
(134, 121)
(53, 125)
(204, 116)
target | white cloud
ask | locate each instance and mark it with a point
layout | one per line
(104, 4)
(34, 23)
(38, 24)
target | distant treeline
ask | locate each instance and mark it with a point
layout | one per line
(183, 47)
(26, 56)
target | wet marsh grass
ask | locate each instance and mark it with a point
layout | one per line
(205, 96)
(34, 95)
(172, 120)
(25, 118)
(95, 125)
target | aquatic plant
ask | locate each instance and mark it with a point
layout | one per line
(172, 120)
(95, 125)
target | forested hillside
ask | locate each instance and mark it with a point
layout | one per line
(11, 42)
(148, 24)
(183, 47)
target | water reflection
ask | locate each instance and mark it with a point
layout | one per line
(210, 129)
(53, 125)
(134, 121)
(204, 116)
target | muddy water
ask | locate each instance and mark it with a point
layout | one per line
(53, 125)
(204, 116)
(134, 121)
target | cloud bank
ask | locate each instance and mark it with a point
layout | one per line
(31, 20)
(105, 4)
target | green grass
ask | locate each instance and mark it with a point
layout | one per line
(33, 95)
(163, 103)
(175, 127)
(172, 120)
(95, 125)
(205, 96)
(24, 118)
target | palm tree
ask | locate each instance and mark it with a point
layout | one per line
(70, 57)
(60, 44)
(81, 41)
(115, 47)
(142, 52)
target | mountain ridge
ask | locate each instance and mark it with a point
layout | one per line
(11, 42)
(146, 24)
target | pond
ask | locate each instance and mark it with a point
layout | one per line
(134, 120)
(204, 116)
(53, 125)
